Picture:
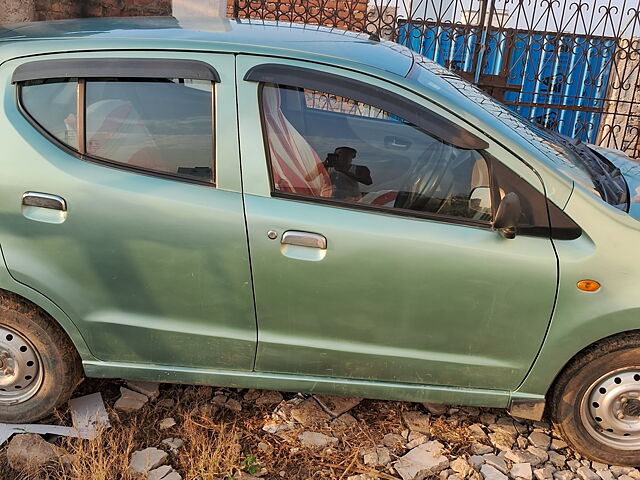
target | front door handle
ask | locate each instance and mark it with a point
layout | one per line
(44, 200)
(304, 239)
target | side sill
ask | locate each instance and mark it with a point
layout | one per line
(305, 384)
(530, 407)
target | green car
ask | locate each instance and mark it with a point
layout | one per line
(294, 208)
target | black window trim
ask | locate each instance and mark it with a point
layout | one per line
(115, 67)
(300, 77)
(79, 151)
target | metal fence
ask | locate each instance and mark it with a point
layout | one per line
(571, 65)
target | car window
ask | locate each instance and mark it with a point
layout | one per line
(156, 125)
(325, 146)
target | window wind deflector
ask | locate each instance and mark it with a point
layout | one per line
(115, 67)
(418, 115)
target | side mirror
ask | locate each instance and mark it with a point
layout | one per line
(508, 215)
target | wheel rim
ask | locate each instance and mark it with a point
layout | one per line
(610, 409)
(20, 368)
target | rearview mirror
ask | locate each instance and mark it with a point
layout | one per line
(508, 215)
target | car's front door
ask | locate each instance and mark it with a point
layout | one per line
(369, 219)
(129, 215)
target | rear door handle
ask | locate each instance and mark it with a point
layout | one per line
(44, 200)
(304, 239)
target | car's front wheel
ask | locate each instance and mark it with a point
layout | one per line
(595, 403)
(39, 366)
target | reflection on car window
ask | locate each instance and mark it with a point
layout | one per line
(325, 146)
(163, 125)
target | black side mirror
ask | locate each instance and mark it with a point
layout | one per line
(508, 215)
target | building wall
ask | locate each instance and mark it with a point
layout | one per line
(16, 11)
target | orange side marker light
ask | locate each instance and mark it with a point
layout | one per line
(588, 285)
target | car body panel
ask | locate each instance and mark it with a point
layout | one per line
(152, 270)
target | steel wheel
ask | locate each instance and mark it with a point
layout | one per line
(20, 367)
(610, 409)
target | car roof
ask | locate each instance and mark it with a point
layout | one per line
(239, 36)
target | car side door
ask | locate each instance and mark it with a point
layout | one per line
(120, 201)
(369, 213)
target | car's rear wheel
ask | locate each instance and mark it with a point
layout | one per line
(595, 403)
(39, 366)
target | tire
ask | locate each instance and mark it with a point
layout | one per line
(39, 366)
(590, 393)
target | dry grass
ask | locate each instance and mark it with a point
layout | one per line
(219, 444)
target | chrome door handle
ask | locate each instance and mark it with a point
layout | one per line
(304, 239)
(44, 200)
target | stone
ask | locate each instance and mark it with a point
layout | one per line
(557, 444)
(166, 423)
(599, 466)
(377, 457)
(496, 462)
(476, 461)
(478, 432)
(502, 440)
(634, 474)
(617, 470)
(573, 465)
(310, 414)
(166, 403)
(538, 452)
(625, 477)
(492, 473)
(521, 470)
(146, 460)
(335, 404)
(165, 472)
(173, 444)
(545, 473)
(523, 456)
(436, 408)
(453, 477)
(461, 466)
(557, 459)
(416, 439)
(362, 476)
(540, 440)
(316, 440)
(28, 452)
(563, 475)
(481, 449)
(585, 473)
(423, 461)
(269, 398)
(605, 474)
(233, 405)
(130, 401)
(393, 440)
(505, 424)
(150, 390)
(417, 422)
(343, 422)
(522, 442)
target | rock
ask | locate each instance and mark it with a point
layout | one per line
(173, 444)
(130, 401)
(625, 477)
(476, 461)
(599, 466)
(538, 452)
(421, 462)
(166, 423)
(316, 440)
(146, 460)
(417, 422)
(335, 404)
(233, 405)
(557, 459)
(502, 440)
(393, 440)
(166, 403)
(492, 473)
(478, 432)
(496, 462)
(617, 470)
(461, 466)
(453, 477)
(522, 442)
(605, 474)
(505, 424)
(377, 457)
(574, 465)
(362, 476)
(585, 473)
(635, 474)
(481, 449)
(563, 475)
(416, 439)
(488, 418)
(557, 444)
(540, 440)
(28, 452)
(148, 389)
(523, 456)
(521, 470)
(164, 472)
(310, 414)
(545, 473)
(436, 408)
(343, 422)
(269, 398)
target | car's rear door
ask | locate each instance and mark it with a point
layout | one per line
(125, 209)
(389, 269)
